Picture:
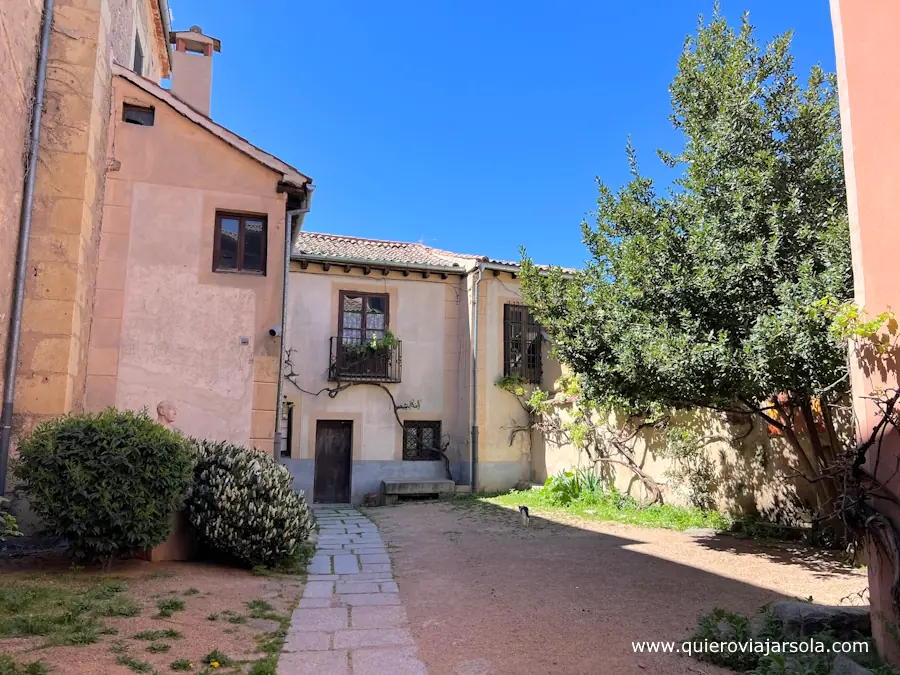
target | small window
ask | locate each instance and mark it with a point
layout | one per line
(421, 441)
(240, 244)
(521, 344)
(138, 66)
(288, 424)
(135, 114)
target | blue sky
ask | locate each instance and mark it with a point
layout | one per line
(470, 126)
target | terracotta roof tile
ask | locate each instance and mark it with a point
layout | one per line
(338, 246)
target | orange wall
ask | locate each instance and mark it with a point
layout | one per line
(165, 325)
(868, 52)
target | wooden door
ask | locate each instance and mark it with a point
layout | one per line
(334, 455)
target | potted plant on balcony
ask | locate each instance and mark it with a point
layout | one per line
(382, 346)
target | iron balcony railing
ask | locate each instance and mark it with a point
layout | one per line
(355, 360)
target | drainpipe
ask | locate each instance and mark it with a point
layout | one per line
(472, 472)
(11, 366)
(289, 236)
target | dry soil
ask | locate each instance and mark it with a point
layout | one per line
(487, 596)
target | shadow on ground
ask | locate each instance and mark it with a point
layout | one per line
(486, 596)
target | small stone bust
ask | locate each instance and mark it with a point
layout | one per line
(165, 414)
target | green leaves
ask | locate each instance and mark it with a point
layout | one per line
(9, 527)
(704, 295)
(244, 504)
(107, 483)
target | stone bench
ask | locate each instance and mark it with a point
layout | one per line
(396, 488)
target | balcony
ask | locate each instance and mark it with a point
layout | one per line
(358, 361)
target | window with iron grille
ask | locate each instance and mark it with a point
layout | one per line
(421, 441)
(521, 344)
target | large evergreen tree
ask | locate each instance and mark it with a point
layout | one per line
(710, 293)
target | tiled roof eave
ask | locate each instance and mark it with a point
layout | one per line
(301, 256)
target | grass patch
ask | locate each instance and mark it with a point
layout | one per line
(8, 666)
(120, 605)
(162, 574)
(151, 635)
(272, 642)
(610, 505)
(233, 617)
(191, 591)
(267, 666)
(167, 607)
(182, 665)
(158, 647)
(294, 564)
(217, 658)
(212, 617)
(134, 664)
(63, 609)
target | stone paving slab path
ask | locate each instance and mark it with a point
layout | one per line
(350, 619)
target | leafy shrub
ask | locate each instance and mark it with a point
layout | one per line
(721, 625)
(569, 486)
(8, 525)
(108, 482)
(244, 505)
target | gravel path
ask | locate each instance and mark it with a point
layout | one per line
(350, 618)
(487, 596)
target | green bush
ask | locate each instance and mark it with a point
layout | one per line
(244, 504)
(107, 483)
(8, 525)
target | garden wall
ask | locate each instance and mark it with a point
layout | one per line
(751, 464)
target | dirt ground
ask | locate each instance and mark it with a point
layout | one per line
(205, 589)
(486, 596)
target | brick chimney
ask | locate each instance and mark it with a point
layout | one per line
(192, 67)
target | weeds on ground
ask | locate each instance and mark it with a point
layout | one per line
(118, 646)
(233, 617)
(813, 654)
(167, 607)
(158, 647)
(134, 664)
(182, 665)
(191, 591)
(582, 494)
(293, 565)
(8, 666)
(218, 659)
(266, 666)
(153, 635)
(63, 610)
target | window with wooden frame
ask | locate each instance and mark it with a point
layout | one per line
(363, 317)
(521, 344)
(421, 441)
(240, 243)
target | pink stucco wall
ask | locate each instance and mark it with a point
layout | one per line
(166, 326)
(868, 52)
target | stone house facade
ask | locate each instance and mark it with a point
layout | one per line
(380, 382)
